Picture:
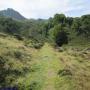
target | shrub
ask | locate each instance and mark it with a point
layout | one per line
(19, 37)
(18, 54)
(61, 38)
(2, 71)
(32, 86)
(60, 49)
(65, 72)
(21, 86)
(37, 45)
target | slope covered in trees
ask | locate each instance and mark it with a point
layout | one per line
(64, 29)
(58, 30)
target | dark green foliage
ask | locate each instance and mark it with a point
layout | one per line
(82, 25)
(85, 25)
(65, 72)
(59, 18)
(2, 71)
(19, 37)
(63, 30)
(69, 21)
(33, 86)
(21, 86)
(37, 45)
(18, 54)
(9, 26)
(76, 25)
(34, 44)
(61, 38)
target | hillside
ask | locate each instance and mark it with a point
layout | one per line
(12, 14)
(43, 69)
(52, 54)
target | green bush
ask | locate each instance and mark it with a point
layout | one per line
(2, 71)
(37, 45)
(19, 37)
(33, 86)
(18, 54)
(65, 72)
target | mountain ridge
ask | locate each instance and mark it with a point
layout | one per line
(9, 12)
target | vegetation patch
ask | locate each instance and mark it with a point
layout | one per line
(65, 72)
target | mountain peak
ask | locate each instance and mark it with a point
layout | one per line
(9, 9)
(9, 12)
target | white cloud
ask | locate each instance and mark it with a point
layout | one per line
(41, 8)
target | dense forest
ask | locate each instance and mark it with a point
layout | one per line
(38, 54)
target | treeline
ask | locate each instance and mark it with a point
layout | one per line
(25, 28)
(59, 29)
(62, 29)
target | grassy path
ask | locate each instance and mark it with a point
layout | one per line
(49, 64)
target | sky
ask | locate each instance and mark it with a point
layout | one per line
(47, 8)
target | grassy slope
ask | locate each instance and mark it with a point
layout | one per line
(50, 69)
(16, 57)
(49, 63)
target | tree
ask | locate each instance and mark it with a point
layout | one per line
(69, 21)
(59, 34)
(59, 18)
(54, 31)
(61, 38)
(10, 26)
(76, 25)
(85, 25)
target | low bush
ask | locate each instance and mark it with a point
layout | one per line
(65, 72)
(34, 44)
(33, 86)
(19, 37)
(37, 45)
(18, 54)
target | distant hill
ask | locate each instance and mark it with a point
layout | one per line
(12, 13)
